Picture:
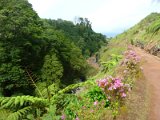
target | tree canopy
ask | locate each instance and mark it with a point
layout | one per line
(41, 50)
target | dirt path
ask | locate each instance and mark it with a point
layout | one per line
(151, 70)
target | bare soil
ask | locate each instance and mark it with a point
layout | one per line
(151, 71)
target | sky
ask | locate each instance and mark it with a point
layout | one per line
(109, 17)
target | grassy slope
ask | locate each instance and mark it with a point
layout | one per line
(139, 35)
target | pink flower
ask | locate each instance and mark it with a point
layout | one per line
(95, 103)
(137, 58)
(117, 83)
(63, 117)
(102, 83)
(121, 90)
(110, 88)
(123, 94)
(131, 52)
(77, 118)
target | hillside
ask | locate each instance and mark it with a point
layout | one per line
(141, 35)
(60, 70)
(144, 35)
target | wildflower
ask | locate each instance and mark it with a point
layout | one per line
(63, 117)
(95, 103)
(102, 83)
(110, 88)
(121, 90)
(117, 83)
(123, 94)
(77, 118)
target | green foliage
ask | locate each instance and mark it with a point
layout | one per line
(109, 65)
(39, 57)
(4, 114)
(23, 106)
(144, 34)
(49, 52)
(72, 104)
(19, 114)
(51, 114)
(19, 43)
(81, 34)
(57, 96)
(45, 89)
(96, 94)
(66, 52)
(155, 26)
(13, 102)
(52, 69)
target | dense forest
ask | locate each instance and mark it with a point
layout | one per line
(42, 51)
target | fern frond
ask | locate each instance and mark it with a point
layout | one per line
(10, 102)
(32, 79)
(53, 89)
(4, 113)
(19, 114)
(69, 88)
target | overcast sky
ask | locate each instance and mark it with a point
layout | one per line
(107, 16)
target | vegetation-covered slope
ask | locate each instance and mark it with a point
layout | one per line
(34, 50)
(41, 60)
(145, 34)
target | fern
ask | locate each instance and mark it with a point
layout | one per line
(107, 66)
(53, 89)
(19, 114)
(4, 113)
(19, 101)
(31, 77)
(69, 88)
(51, 114)
(116, 57)
(20, 106)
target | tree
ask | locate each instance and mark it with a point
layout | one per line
(20, 43)
(52, 70)
(81, 34)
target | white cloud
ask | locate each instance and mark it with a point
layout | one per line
(105, 15)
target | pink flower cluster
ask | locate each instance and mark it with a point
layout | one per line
(131, 57)
(113, 87)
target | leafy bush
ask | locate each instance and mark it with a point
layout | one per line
(114, 88)
(110, 64)
(96, 94)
